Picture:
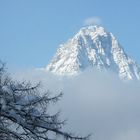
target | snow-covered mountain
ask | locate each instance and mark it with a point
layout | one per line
(93, 47)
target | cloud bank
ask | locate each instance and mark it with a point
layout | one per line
(92, 21)
(97, 103)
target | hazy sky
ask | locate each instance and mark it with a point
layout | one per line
(31, 30)
(94, 102)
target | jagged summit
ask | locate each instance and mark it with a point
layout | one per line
(93, 47)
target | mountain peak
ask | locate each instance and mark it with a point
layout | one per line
(91, 30)
(93, 47)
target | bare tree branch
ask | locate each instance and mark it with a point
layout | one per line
(23, 114)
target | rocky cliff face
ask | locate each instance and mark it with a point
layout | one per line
(93, 47)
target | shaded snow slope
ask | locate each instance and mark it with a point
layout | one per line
(93, 47)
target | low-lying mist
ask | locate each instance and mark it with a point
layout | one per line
(94, 102)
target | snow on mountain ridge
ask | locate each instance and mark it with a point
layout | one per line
(93, 47)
